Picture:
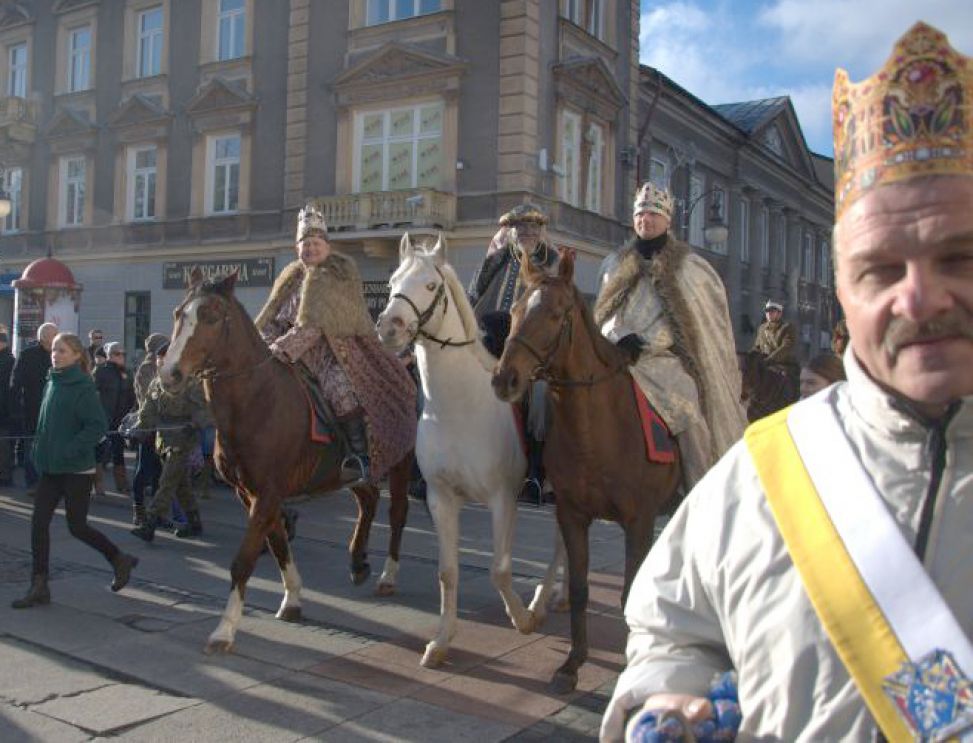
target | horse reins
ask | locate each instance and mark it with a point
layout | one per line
(426, 315)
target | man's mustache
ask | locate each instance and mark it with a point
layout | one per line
(901, 331)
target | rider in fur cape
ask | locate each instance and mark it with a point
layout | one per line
(316, 315)
(667, 307)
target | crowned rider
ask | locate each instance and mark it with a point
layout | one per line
(316, 317)
(496, 285)
(666, 307)
(776, 340)
(827, 557)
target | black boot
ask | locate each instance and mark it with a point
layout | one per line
(146, 531)
(138, 514)
(193, 527)
(354, 467)
(532, 489)
(38, 594)
(123, 564)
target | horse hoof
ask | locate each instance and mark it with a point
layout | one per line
(290, 614)
(564, 682)
(385, 589)
(535, 621)
(360, 576)
(218, 647)
(434, 657)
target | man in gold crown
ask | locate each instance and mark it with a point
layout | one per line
(826, 559)
(316, 316)
(666, 307)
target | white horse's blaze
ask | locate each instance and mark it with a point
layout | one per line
(534, 299)
(190, 318)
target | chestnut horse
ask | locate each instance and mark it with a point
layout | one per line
(764, 389)
(263, 444)
(595, 454)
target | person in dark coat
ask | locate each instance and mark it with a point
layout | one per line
(27, 388)
(6, 445)
(70, 422)
(96, 339)
(114, 383)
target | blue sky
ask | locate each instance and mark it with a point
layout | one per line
(732, 50)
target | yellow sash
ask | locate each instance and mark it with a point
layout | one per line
(855, 624)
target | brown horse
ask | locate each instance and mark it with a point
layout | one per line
(764, 388)
(263, 444)
(595, 451)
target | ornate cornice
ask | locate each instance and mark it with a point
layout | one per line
(588, 83)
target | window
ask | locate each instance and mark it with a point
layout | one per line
(697, 218)
(17, 77)
(230, 29)
(138, 317)
(719, 199)
(744, 231)
(150, 42)
(141, 182)
(383, 11)
(400, 148)
(596, 21)
(571, 157)
(223, 173)
(72, 180)
(807, 268)
(765, 238)
(596, 160)
(825, 265)
(13, 185)
(79, 59)
(572, 10)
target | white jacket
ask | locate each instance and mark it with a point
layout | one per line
(719, 589)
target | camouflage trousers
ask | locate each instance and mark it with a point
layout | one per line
(174, 483)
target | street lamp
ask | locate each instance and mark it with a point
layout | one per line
(716, 230)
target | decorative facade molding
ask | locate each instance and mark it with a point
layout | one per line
(70, 130)
(221, 105)
(13, 15)
(588, 84)
(139, 119)
(67, 6)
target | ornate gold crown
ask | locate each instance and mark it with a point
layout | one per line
(652, 198)
(310, 221)
(910, 119)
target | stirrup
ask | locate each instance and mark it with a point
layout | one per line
(354, 469)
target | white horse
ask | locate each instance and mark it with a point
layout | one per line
(468, 445)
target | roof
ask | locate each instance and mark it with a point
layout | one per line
(751, 115)
(48, 273)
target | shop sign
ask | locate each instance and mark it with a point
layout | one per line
(250, 272)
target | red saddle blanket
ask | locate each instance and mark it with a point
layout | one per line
(659, 444)
(321, 431)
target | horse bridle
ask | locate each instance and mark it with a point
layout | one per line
(426, 315)
(209, 372)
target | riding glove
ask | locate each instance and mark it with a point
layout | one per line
(632, 345)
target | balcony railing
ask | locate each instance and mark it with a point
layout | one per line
(421, 207)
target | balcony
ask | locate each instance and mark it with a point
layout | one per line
(422, 207)
(18, 121)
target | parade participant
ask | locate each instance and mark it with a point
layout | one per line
(666, 307)
(26, 390)
(114, 383)
(776, 339)
(839, 338)
(7, 362)
(179, 417)
(823, 370)
(495, 287)
(96, 339)
(70, 422)
(826, 558)
(148, 466)
(316, 317)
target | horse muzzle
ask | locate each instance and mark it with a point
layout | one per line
(394, 333)
(508, 384)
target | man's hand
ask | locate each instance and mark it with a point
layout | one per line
(632, 345)
(657, 720)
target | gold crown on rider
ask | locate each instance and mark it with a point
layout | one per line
(310, 221)
(523, 213)
(910, 119)
(651, 198)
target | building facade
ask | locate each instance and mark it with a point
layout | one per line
(140, 138)
(748, 163)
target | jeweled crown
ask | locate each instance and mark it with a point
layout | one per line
(911, 119)
(653, 198)
(310, 221)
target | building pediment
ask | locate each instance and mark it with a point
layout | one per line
(589, 83)
(69, 123)
(13, 15)
(782, 135)
(220, 95)
(396, 69)
(136, 111)
(66, 6)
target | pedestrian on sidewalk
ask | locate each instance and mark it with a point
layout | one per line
(148, 466)
(7, 362)
(114, 383)
(70, 423)
(26, 389)
(179, 418)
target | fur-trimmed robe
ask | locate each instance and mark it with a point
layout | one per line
(317, 315)
(676, 304)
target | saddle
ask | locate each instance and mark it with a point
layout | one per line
(323, 423)
(660, 447)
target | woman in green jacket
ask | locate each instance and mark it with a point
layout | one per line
(71, 422)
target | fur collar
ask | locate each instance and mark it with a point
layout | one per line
(331, 297)
(663, 271)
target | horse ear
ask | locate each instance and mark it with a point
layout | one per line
(195, 277)
(565, 268)
(228, 282)
(439, 251)
(405, 247)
